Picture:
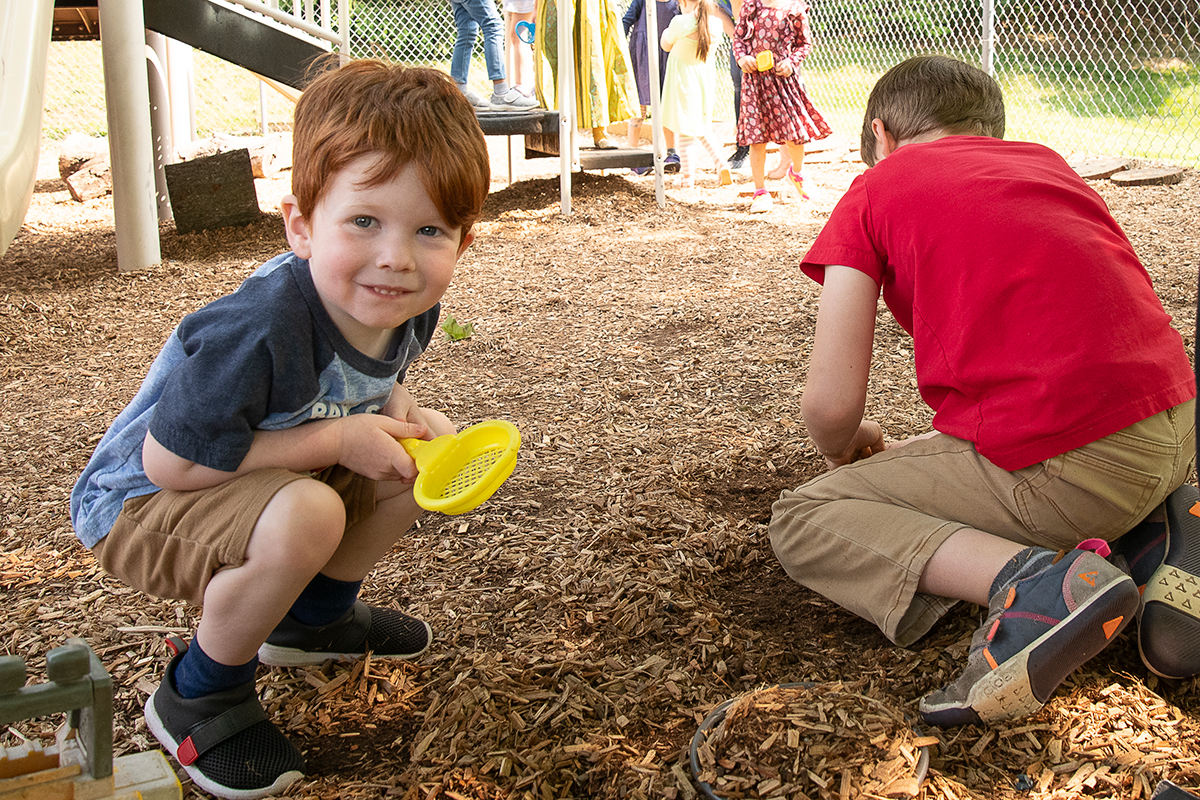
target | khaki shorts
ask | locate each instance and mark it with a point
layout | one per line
(170, 544)
(862, 534)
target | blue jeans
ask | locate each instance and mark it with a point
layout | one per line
(469, 17)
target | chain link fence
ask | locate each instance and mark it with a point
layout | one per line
(1097, 77)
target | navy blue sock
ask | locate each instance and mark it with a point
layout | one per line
(197, 675)
(324, 600)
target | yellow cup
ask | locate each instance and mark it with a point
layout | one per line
(765, 61)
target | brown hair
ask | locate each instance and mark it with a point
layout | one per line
(703, 33)
(407, 115)
(930, 93)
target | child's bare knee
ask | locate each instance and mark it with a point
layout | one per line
(305, 518)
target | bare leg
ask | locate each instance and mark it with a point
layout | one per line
(635, 129)
(758, 164)
(297, 533)
(301, 532)
(795, 152)
(521, 69)
(966, 564)
(780, 169)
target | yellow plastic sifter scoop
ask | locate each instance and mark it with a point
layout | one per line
(459, 471)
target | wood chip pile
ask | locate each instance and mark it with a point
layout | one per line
(823, 740)
(621, 585)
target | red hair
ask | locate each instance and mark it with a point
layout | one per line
(405, 115)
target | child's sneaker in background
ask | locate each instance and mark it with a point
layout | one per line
(1043, 622)
(387, 633)
(762, 202)
(512, 100)
(1163, 557)
(477, 101)
(797, 180)
(739, 158)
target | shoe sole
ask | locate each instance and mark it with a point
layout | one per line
(156, 726)
(1169, 620)
(275, 656)
(1023, 683)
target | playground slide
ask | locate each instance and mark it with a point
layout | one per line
(25, 27)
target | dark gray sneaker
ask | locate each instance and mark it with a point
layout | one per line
(1049, 619)
(387, 633)
(1163, 556)
(223, 740)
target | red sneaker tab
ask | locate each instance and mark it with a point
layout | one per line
(186, 754)
(1111, 627)
(1195, 510)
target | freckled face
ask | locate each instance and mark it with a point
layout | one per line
(379, 255)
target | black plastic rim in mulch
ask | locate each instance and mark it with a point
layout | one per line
(717, 714)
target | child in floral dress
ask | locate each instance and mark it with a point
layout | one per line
(775, 106)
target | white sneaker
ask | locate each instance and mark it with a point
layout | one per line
(762, 203)
(512, 100)
(477, 101)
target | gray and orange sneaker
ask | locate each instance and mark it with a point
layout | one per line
(1044, 621)
(1163, 557)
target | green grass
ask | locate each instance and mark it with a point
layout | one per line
(1149, 111)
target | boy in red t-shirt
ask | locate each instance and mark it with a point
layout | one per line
(1063, 400)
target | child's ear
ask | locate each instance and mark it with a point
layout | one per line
(296, 227)
(467, 238)
(885, 143)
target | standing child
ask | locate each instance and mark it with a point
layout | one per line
(775, 106)
(690, 91)
(1063, 405)
(257, 471)
(520, 51)
(636, 31)
(471, 17)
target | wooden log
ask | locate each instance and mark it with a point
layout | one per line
(76, 150)
(1149, 176)
(215, 191)
(269, 155)
(92, 180)
(1097, 168)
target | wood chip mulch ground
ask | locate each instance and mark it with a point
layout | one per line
(620, 586)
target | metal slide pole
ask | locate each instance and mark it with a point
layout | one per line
(160, 119)
(123, 49)
(652, 48)
(566, 102)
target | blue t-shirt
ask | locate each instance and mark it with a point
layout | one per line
(266, 357)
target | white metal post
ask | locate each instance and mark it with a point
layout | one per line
(181, 83)
(123, 50)
(989, 37)
(160, 119)
(656, 129)
(566, 101)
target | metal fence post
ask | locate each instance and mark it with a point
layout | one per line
(988, 55)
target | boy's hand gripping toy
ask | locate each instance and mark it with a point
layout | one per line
(766, 60)
(460, 471)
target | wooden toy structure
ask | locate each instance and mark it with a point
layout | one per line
(80, 764)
